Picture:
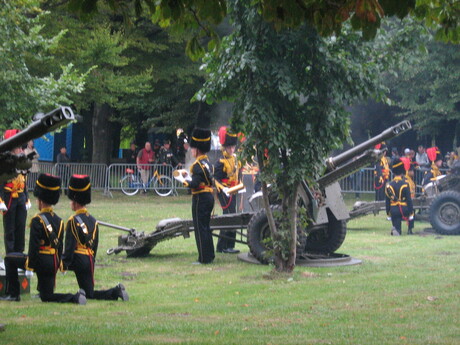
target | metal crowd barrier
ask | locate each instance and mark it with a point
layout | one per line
(108, 178)
(116, 173)
(362, 181)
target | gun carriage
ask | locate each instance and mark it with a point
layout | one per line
(324, 205)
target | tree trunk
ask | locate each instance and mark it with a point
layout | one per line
(115, 139)
(101, 133)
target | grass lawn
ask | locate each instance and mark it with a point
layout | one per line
(406, 291)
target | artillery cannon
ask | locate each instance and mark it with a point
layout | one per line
(324, 205)
(10, 164)
(440, 203)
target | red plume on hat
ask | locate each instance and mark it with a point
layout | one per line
(222, 133)
(11, 133)
(226, 137)
(406, 162)
(431, 153)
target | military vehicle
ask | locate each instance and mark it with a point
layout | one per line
(10, 164)
(324, 205)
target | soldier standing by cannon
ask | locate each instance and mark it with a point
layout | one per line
(381, 173)
(398, 202)
(434, 155)
(14, 203)
(227, 174)
(201, 185)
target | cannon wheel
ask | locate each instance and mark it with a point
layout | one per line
(445, 213)
(259, 232)
(328, 238)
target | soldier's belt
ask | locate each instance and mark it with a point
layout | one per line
(47, 250)
(398, 203)
(202, 190)
(14, 192)
(84, 250)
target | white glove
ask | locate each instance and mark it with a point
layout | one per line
(411, 218)
(388, 218)
(3, 207)
(225, 190)
(188, 177)
(180, 178)
(241, 191)
(28, 205)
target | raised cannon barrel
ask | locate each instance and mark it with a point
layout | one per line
(42, 125)
(333, 162)
(11, 164)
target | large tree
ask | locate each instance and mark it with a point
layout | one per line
(289, 89)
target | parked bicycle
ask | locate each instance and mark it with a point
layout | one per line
(132, 183)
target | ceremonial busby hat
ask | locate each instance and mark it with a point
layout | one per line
(47, 188)
(433, 154)
(398, 167)
(80, 189)
(226, 138)
(201, 139)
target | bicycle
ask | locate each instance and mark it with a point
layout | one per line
(132, 183)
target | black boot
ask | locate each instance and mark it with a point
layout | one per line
(409, 232)
(10, 298)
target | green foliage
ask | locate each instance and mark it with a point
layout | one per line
(23, 46)
(428, 90)
(441, 15)
(200, 17)
(289, 89)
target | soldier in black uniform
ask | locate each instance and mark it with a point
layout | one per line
(398, 198)
(435, 157)
(200, 182)
(81, 242)
(45, 247)
(226, 175)
(381, 173)
(167, 159)
(14, 203)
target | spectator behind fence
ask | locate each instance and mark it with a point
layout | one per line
(131, 157)
(167, 159)
(145, 156)
(421, 158)
(394, 155)
(156, 148)
(63, 169)
(452, 159)
(33, 172)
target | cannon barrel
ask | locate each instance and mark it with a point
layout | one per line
(44, 124)
(333, 162)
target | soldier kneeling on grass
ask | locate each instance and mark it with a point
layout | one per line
(81, 242)
(45, 247)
